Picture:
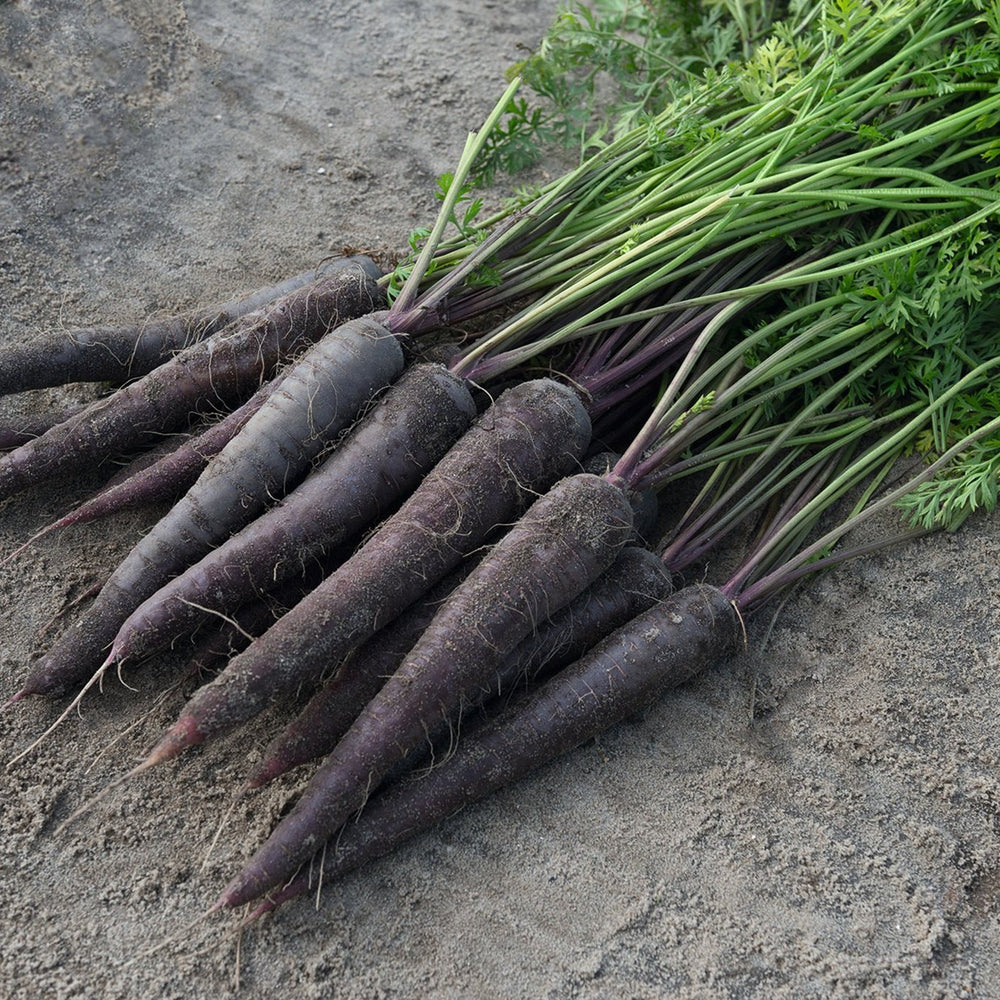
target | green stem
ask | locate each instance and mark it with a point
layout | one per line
(474, 144)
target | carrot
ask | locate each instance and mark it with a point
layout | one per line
(565, 540)
(135, 463)
(224, 637)
(216, 372)
(635, 580)
(21, 430)
(317, 398)
(666, 646)
(118, 354)
(151, 477)
(331, 711)
(379, 463)
(214, 645)
(633, 583)
(533, 434)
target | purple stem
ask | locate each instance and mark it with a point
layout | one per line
(750, 598)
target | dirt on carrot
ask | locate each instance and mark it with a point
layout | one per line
(821, 820)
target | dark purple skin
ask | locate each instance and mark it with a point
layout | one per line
(565, 540)
(217, 373)
(224, 638)
(678, 638)
(128, 467)
(215, 646)
(635, 580)
(533, 434)
(21, 430)
(633, 583)
(317, 398)
(316, 730)
(154, 478)
(380, 462)
(118, 354)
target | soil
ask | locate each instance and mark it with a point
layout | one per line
(816, 818)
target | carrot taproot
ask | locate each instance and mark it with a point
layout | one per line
(215, 645)
(155, 477)
(224, 637)
(316, 399)
(665, 646)
(378, 464)
(331, 711)
(218, 372)
(661, 648)
(635, 580)
(118, 354)
(134, 463)
(531, 436)
(563, 542)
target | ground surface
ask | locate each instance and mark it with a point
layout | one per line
(819, 820)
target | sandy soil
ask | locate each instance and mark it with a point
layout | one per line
(816, 819)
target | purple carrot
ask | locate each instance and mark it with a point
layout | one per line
(565, 540)
(331, 711)
(117, 354)
(633, 583)
(661, 648)
(131, 465)
(215, 373)
(154, 478)
(21, 430)
(533, 434)
(379, 463)
(318, 396)
(223, 638)
(216, 645)
(635, 580)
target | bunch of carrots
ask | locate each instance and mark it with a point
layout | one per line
(773, 285)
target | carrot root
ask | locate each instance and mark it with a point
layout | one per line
(117, 354)
(379, 462)
(220, 371)
(254, 469)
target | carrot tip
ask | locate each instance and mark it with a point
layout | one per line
(183, 734)
(15, 698)
(259, 777)
(240, 891)
(112, 658)
(262, 909)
